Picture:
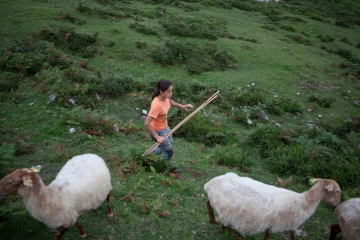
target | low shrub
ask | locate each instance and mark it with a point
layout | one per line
(343, 23)
(9, 82)
(288, 28)
(156, 164)
(344, 53)
(325, 38)
(289, 105)
(300, 39)
(239, 115)
(68, 17)
(95, 122)
(322, 155)
(269, 27)
(207, 28)
(195, 58)
(324, 102)
(248, 39)
(29, 56)
(66, 38)
(230, 156)
(248, 97)
(249, 115)
(200, 128)
(141, 44)
(143, 29)
(85, 9)
(267, 138)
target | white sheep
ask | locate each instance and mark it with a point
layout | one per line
(253, 207)
(348, 214)
(82, 185)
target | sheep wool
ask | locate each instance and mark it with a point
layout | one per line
(348, 214)
(252, 207)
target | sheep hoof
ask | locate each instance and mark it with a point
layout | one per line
(110, 215)
(83, 235)
(214, 221)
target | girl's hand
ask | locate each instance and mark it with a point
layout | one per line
(187, 107)
(160, 139)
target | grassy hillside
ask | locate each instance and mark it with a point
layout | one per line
(291, 69)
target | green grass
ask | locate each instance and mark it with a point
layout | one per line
(291, 62)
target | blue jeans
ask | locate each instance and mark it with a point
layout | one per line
(166, 147)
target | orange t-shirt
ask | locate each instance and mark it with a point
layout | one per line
(159, 111)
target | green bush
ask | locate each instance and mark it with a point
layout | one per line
(99, 12)
(68, 17)
(343, 23)
(269, 27)
(300, 39)
(95, 122)
(324, 102)
(267, 138)
(325, 38)
(201, 129)
(230, 156)
(291, 106)
(207, 28)
(116, 86)
(9, 82)
(143, 29)
(288, 28)
(66, 38)
(29, 56)
(315, 157)
(141, 44)
(344, 53)
(239, 115)
(249, 97)
(197, 59)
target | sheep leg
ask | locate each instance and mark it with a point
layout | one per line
(81, 229)
(267, 235)
(109, 211)
(334, 230)
(211, 212)
(230, 231)
(60, 233)
(292, 235)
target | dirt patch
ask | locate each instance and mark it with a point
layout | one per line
(194, 174)
(322, 86)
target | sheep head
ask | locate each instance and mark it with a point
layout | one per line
(12, 182)
(332, 192)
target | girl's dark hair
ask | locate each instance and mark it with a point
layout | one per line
(162, 85)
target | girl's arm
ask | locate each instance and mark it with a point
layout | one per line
(148, 126)
(181, 106)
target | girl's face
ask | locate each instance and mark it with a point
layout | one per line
(167, 93)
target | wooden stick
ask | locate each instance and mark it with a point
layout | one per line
(215, 95)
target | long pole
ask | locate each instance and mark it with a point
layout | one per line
(215, 95)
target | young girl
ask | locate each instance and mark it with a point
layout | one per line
(156, 121)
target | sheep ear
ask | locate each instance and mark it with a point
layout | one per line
(329, 187)
(27, 181)
(15, 181)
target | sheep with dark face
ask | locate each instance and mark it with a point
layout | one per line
(348, 214)
(252, 207)
(81, 186)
